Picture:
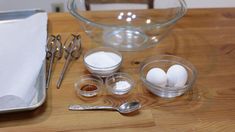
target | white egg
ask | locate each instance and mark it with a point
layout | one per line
(157, 77)
(177, 76)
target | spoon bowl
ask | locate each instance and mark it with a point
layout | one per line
(128, 107)
(124, 108)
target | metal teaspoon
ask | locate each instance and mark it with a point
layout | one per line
(125, 108)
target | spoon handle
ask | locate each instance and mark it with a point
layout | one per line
(87, 107)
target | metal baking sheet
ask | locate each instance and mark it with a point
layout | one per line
(40, 95)
(41, 80)
(17, 15)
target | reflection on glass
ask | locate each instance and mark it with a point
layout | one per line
(128, 19)
(119, 17)
(129, 16)
(154, 39)
(148, 21)
(133, 16)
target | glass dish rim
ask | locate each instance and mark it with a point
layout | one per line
(71, 6)
(88, 77)
(122, 74)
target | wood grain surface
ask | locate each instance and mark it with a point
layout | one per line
(205, 37)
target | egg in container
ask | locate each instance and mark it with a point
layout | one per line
(167, 76)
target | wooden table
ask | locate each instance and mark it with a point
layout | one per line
(206, 37)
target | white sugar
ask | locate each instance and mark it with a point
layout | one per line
(103, 59)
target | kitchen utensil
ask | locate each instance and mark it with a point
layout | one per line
(125, 108)
(54, 50)
(73, 52)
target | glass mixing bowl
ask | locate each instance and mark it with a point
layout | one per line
(128, 27)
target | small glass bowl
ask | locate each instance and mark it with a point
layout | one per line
(88, 85)
(104, 71)
(164, 62)
(119, 83)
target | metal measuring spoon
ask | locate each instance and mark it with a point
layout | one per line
(54, 50)
(73, 51)
(125, 108)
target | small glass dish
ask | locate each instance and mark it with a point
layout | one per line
(88, 85)
(119, 83)
(164, 62)
(106, 62)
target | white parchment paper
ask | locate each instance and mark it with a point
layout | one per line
(22, 51)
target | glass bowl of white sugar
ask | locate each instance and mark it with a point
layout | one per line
(119, 83)
(102, 61)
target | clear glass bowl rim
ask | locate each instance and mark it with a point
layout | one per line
(71, 5)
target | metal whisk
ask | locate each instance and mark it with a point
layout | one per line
(73, 50)
(54, 50)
